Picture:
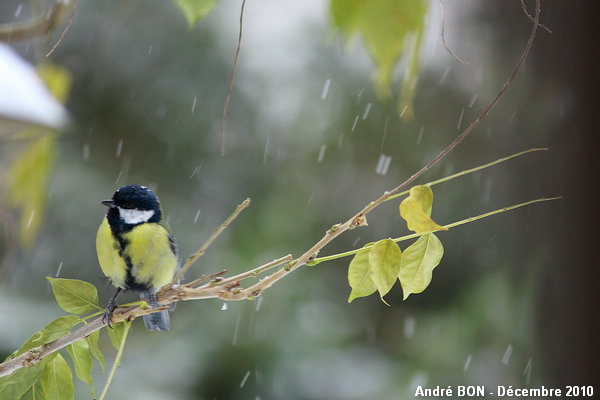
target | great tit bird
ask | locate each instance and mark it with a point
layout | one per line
(136, 249)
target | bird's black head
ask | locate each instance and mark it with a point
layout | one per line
(132, 205)
(136, 197)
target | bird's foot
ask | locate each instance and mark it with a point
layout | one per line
(108, 312)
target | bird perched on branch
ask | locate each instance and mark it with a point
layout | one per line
(136, 249)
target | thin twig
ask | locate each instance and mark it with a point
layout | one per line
(257, 271)
(35, 26)
(205, 278)
(235, 60)
(319, 260)
(524, 7)
(64, 32)
(191, 259)
(471, 170)
(457, 58)
(117, 361)
(477, 120)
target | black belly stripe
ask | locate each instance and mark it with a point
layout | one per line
(130, 282)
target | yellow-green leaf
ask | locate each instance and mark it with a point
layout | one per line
(57, 380)
(360, 275)
(28, 180)
(416, 210)
(94, 349)
(54, 330)
(384, 263)
(75, 296)
(389, 29)
(34, 393)
(115, 334)
(22, 381)
(82, 361)
(410, 76)
(57, 79)
(194, 10)
(27, 186)
(418, 261)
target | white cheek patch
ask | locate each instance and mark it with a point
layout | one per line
(134, 216)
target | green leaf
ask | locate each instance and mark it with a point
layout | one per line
(18, 384)
(194, 10)
(28, 180)
(57, 380)
(75, 296)
(94, 349)
(116, 334)
(57, 79)
(360, 275)
(416, 210)
(27, 187)
(34, 393)
(418, 261)
(82, 360)
(410, 77)
(54, 330)
(389, 29)
(384, 263)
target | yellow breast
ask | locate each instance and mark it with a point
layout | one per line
(147, 250)
(153, 262)
(112, 264)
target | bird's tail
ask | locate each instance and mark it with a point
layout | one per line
(159, 320)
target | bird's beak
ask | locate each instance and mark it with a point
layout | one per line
(108, 203)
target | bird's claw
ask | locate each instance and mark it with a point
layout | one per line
(108, 314)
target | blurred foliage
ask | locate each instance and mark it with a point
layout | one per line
(27, 184)
(391, 30)
(28, 176)
(194, 10)
(57, 79)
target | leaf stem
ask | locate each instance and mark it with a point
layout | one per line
(452, 225)
(126, 326)
(192, 259)
(469, 171)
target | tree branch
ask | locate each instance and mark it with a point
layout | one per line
(229, 288)
(35, 26)
(33, 356)
(192, 259)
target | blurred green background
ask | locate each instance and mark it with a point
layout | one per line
(512, 302)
